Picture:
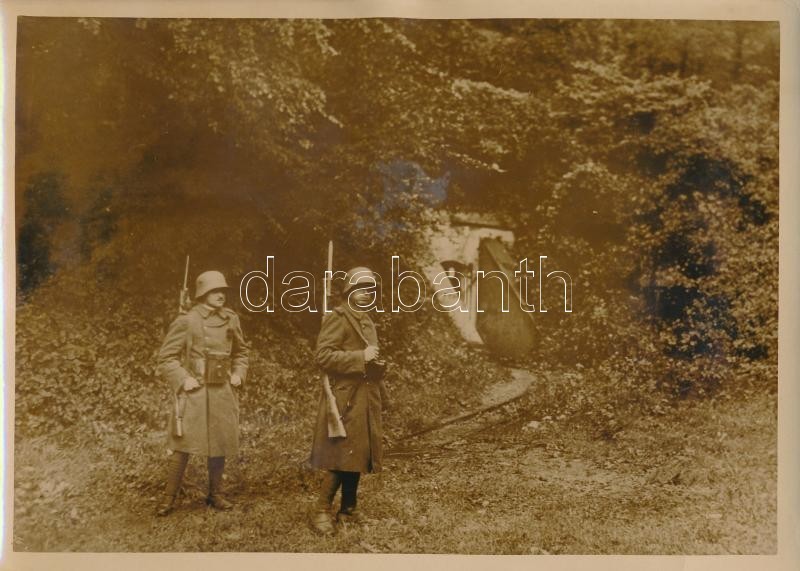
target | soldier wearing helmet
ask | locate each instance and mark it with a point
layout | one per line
(203, 359)
(347, 350)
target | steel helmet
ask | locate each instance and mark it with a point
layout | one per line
(208, 281)
(357, 275)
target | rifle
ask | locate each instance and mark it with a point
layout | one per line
(179, 400)
(334, 419)
(184, 301)
(180, 404)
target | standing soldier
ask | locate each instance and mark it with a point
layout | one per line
(204, 355)
(347, 350)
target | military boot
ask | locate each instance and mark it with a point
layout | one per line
(216, 467)
(350, 516)
(321, 520)
(175, 470)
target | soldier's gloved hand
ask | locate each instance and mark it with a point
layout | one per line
(236, 380)
(370, 353)
(190, 384)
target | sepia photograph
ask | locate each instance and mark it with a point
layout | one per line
(391, 285)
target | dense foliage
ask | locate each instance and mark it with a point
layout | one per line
(640, 157)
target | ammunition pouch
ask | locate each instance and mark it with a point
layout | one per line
(374, 370)
(217, 368)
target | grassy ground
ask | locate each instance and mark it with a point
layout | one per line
(698, 479)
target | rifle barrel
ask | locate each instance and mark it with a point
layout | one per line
(186, 273)
(328, 276)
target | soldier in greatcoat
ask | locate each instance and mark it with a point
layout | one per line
(347, 351)
(203, 359)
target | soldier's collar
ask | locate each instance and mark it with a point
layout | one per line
(359, 315)
(206, 310)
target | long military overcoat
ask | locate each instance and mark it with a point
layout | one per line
(340, 353)
(211, 413)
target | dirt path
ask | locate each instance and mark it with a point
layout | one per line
(495, 397)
